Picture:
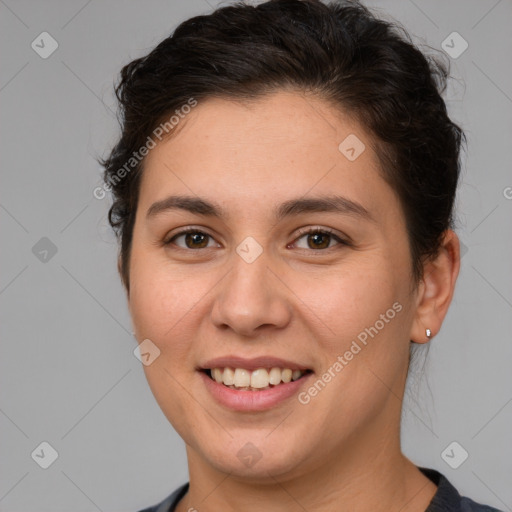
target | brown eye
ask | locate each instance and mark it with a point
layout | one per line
(319, 239)
(193, 239)
(196, 240)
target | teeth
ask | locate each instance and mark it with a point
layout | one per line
(229, 376)
(286, 375)
(274, 376)
(242, 378)
(217, 374)
(257, 379)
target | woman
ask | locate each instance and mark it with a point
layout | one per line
(283, 194)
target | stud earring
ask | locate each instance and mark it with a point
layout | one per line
(428, 332)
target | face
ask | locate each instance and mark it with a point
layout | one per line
(297, 258)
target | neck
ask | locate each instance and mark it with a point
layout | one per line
(358, 477)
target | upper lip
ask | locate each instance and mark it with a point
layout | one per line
(251, 364)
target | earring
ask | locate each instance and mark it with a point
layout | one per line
(428, 332)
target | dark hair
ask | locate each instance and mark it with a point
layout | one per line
(339, 52)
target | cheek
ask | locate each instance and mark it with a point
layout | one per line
(364, 318)
(156, 292)
(160, 307)
(352, 299)
(152, 301)
(166, 305)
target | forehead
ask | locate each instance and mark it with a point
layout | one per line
(281, 120)
(283, 144)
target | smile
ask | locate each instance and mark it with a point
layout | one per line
(256, 380)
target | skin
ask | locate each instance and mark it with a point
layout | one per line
(341, 451)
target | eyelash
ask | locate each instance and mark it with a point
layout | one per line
(302, 233)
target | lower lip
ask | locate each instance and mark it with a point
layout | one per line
(246, 400)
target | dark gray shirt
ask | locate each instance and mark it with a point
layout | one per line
(446, 499)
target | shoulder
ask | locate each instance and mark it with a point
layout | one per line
(468, 505)
(448, 499)
(169, 503)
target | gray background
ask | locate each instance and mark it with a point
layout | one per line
(67, 372)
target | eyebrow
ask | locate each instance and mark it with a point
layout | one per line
(292, 207)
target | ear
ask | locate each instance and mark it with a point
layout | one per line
(436, 289)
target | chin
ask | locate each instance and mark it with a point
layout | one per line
(255, 462)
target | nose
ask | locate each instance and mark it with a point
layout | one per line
(251, 299)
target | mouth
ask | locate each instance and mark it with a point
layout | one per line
(260, 379)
